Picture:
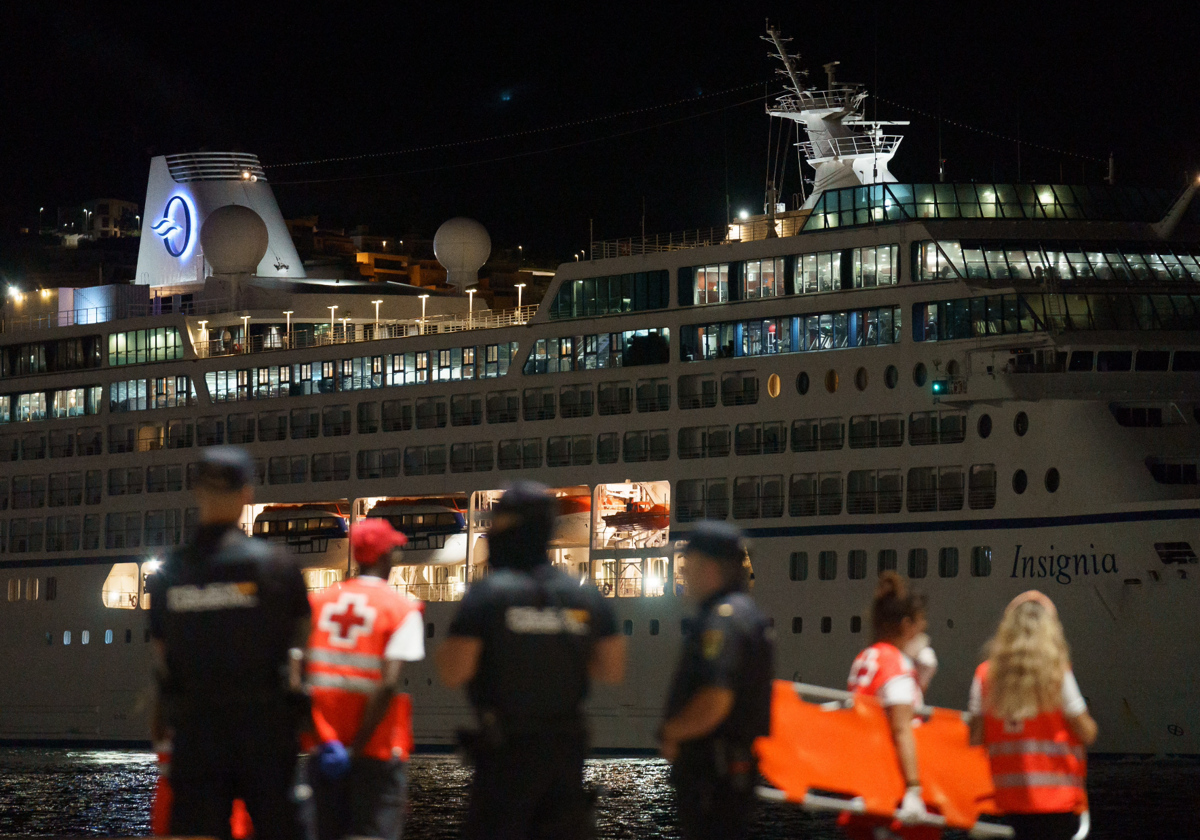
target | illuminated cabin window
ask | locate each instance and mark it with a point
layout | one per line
(1064, 262)
(148, 394)
(121, 589)
(710, 284)
(631, 348)
(612, 295)
(976, 317)
(762, 278)
(488, 361)
(161, 344)
(793, 334)
(895, 202)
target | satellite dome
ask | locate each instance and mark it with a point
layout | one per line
(462, 246)
(234, 239)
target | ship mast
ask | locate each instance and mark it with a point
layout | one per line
(845, 149)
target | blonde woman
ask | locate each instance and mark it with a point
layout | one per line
(1027, 709)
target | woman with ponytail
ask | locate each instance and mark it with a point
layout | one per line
(886, 670)
(1028, 711)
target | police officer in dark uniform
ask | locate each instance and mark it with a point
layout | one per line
(526, 642)
(229, 619)
(720, 698)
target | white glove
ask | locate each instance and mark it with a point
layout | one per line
(912, 807)
(927, 665)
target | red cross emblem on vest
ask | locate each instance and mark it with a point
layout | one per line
(346, 619)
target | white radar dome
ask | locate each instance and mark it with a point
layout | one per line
(234, 239)
(462, 246)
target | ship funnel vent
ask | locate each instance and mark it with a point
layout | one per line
(215, 166)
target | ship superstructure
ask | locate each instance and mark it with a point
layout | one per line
(987, 387)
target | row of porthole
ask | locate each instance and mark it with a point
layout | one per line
(1020, 481)
(891, 378)
(85, 637)
(1020, 424)
(832, 380)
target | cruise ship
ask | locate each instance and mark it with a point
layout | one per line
(986, 387)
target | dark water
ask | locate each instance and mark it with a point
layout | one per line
(106, 792)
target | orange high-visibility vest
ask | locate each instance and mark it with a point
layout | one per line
(352, 624)
(1038, 765)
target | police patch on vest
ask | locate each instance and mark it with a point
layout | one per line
(214, 596)
(546, 621)
(712, 641)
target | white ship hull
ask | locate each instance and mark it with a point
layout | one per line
(1093, 529)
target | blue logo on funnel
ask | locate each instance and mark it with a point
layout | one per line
(175, 226)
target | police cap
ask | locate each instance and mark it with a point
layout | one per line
(225, 469)
(718, 541)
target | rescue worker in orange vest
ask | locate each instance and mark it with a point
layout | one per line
(1027, 709)
(896, 670)
(363, 632)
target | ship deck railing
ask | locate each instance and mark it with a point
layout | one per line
(841, 147)
(817, 100)
(657, 243)
(432, 325)
(752, 229)
(208, 347)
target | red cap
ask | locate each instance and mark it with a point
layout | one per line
(372, 538)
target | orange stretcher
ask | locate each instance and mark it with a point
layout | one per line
(839, 756)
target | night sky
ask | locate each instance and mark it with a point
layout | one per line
(90, 92)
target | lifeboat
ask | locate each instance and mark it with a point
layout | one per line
(640, 516)
(573, 526)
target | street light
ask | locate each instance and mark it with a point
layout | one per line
(520, 286)
(423, 299)
(377, 302)
(204, 335)
(245, 333)
(331, 308)
(470, 308)
(345, 335)
(288, 334)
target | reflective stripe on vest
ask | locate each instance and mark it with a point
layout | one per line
(361, 661)
(1034, 747)
(354, 685)
(1034, 780)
